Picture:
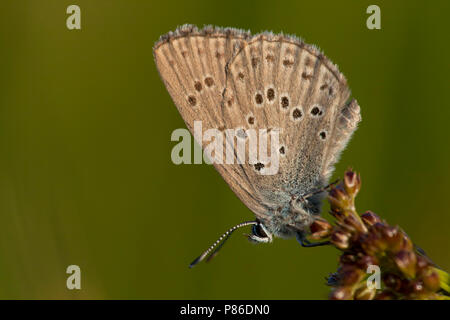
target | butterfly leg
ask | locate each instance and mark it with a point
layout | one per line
(308, 244)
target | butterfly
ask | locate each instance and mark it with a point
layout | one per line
(228, 79)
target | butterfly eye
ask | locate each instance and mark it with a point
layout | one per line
(258, 231)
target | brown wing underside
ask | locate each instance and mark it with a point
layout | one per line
(228, 79)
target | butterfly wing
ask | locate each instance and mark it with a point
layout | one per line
(228, 79)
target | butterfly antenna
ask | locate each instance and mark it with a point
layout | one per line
(216, 246)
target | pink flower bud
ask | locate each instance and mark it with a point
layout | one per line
(406, 262)
(370, 218)
(340, 239)
(352, 183)
(320, 229)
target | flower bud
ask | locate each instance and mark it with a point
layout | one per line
(341, 293)
(338, 199)
(392, 281)
(379, 239)
(406, 262)
(320, 229)
(352, 183)
(340, 239)
(347, 258)
(373, 242)
(370, 218)
(349, 275)
(407, 243)
(394, 238)
(385, 295)
(353, 223)
(418, 287)
(431, 279)
(422, 263)
(367, 261)
(365, 293)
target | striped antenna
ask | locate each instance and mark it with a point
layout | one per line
(216, 247)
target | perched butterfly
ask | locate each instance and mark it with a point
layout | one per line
(228, 79)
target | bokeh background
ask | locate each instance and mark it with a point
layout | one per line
(85, 171)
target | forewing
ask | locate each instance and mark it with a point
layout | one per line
(228, 80)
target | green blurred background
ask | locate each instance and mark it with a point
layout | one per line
(85, 171)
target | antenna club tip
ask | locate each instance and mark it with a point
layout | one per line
(194, 263)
